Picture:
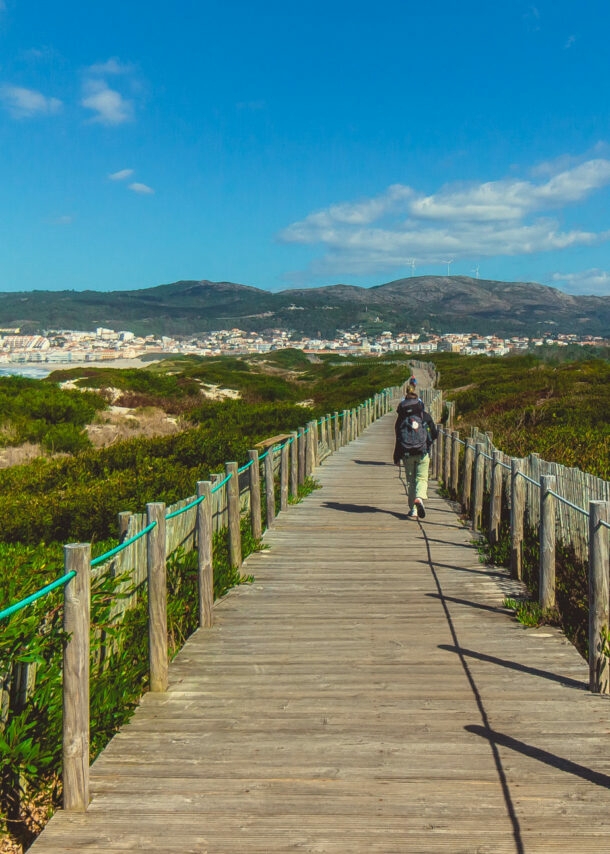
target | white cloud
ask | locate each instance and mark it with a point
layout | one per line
(109, 106)
(569, 42)
(65, 219)
(594, 281)
(492, 218)
(25, 103)
(112, 66)
(141, 188)
(121, 175)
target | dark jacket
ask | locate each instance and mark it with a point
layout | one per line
(412, 405)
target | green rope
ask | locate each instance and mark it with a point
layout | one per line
(12, 609)
(222, 483)
(245, 468)
(96, 561)
(185, 508)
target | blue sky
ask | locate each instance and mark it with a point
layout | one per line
(286, 145)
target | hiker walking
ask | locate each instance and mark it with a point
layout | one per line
(415, 431)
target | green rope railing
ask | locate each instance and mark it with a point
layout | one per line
(107, 555)
(181, 510)
(18, 606)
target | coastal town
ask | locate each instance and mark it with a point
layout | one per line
(106, 345)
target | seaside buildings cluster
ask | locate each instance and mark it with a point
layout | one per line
(107, 344)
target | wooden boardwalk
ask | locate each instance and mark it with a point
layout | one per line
(367, 693)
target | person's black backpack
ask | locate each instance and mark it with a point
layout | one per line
(412, 432)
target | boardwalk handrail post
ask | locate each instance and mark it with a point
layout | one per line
(517, 497)
(336, 432)
(269, 488)
(255, 494)
(294, 464)
(479, 472)
(455, 461)
(233, 514)
(447, 460)
(599, 596)
(495, 498)
(301, 449)
(284, 477)
(124, 518)
(77, 618)
(205, 569)
(547, 542)
(467, 477)
(344, 428)
(157, 597)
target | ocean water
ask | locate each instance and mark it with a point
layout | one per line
(33, 371)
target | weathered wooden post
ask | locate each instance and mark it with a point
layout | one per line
(495, 497)
(77, 611)
(301, 449)
(479, 471)
(255, 495)
(315, 445)
(294, 464)
(157, 597)
(455, 462)
(345, 428)
(337, 432)
(124, 518)
(517, 509)
(447, 459)
(547, 542)
(599, 596)
(284, 477)
(205, 569)
(269, 488)
(308, 449)
(233, 513)
(467, 476)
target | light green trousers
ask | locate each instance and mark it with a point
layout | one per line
(416, 473)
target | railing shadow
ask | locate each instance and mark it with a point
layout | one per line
(540, 755)
(371, 463)
(515, 665)
(493, 608)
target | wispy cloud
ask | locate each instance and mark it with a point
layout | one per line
(109, 105)
(570, 41)
(121, 175)
(141, 188)
(112, 66)
(24, 103)
(64, 219)
(594, 281)
(492, 218)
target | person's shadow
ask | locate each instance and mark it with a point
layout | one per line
(362, 508)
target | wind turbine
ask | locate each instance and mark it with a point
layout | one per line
(476, 271)
(448, 263)
(411, 264)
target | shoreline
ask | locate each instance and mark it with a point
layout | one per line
(40, 371)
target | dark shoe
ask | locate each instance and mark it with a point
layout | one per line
(419, 508)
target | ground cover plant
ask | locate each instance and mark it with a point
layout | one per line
(559, 410)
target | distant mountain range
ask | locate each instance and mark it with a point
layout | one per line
(432, 303)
